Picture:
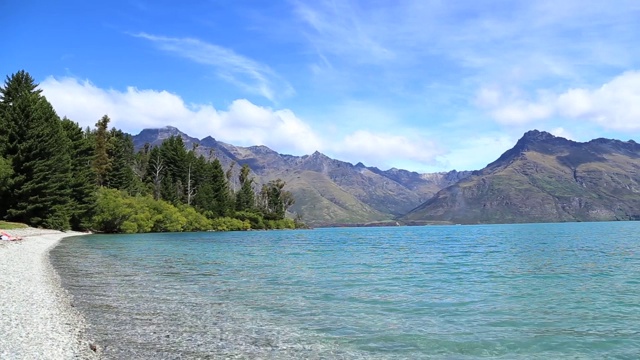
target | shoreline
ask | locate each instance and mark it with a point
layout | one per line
(37, 318)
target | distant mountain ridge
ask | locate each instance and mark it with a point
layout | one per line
(327, 191)
(544, 178)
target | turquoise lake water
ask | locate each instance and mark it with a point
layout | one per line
(532, 291)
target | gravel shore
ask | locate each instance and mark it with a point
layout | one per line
(37, 320)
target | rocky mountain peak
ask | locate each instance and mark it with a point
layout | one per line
(261, 149)
(535, 140)
(156, 136)
(318, 156)
(536, 136)
(209, 142)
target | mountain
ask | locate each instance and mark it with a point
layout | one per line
(544, 178)
(327, 191)
(155, 137)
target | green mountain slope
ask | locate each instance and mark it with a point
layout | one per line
(325, 203)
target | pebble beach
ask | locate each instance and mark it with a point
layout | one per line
(37, 318)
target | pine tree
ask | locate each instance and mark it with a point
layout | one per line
(83, 184)
(120, 174)
(203, 200)
(245, 198)
(6, 173)
(140, 169)
(174, 156)
(38, 149)
(101, 164)
(220, 187)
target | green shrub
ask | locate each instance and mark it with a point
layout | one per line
(256, 220)
(229, 224)
(195, 220)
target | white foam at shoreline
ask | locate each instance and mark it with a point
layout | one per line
(37, 320)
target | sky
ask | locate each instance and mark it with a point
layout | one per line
(423, 85)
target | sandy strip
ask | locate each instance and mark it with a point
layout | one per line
(37, 320)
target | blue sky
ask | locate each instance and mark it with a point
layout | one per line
(415, 84)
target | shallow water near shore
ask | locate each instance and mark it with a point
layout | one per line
(531, 291)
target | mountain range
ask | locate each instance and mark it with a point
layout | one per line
(543, 178)
(327, 191)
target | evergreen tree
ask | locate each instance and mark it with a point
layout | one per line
(213, 190)
(6, 173)
(38, 150)
(245, 198)
(101, 164)
(203, 199)
(224, 206)
(120, 174)
(83, 184)
(169, 190)
(140, 169)
(174, 156)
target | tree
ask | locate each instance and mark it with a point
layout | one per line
(174, 156)
(191, 189)
(213, 190)
(101, 163)
(245, 198)
(220, 186)
(230, 179)
(156, 172)
(83, 185)
(39, 153)
(140, 168)
(191, 185)
(274, 200)
(120, 174)
(6, 173)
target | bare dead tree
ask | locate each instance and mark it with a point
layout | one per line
(191, 190)
(158, 168)
(230, 178)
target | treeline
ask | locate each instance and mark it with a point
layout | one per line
(55, 174)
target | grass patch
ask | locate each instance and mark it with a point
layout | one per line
(6, 225)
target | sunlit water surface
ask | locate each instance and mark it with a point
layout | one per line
(534, 291)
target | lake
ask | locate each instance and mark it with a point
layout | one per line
(528, 291)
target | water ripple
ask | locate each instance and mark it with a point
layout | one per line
(535, 291)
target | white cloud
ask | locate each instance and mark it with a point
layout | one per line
(488, 97)
(243, 72)
(614, 105)
(85, 103)
(242, 123)
(521, 112)
(562, 132)
(384, 149)
(245, 123)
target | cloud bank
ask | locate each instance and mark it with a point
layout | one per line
(614, 105)
(242, 123)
